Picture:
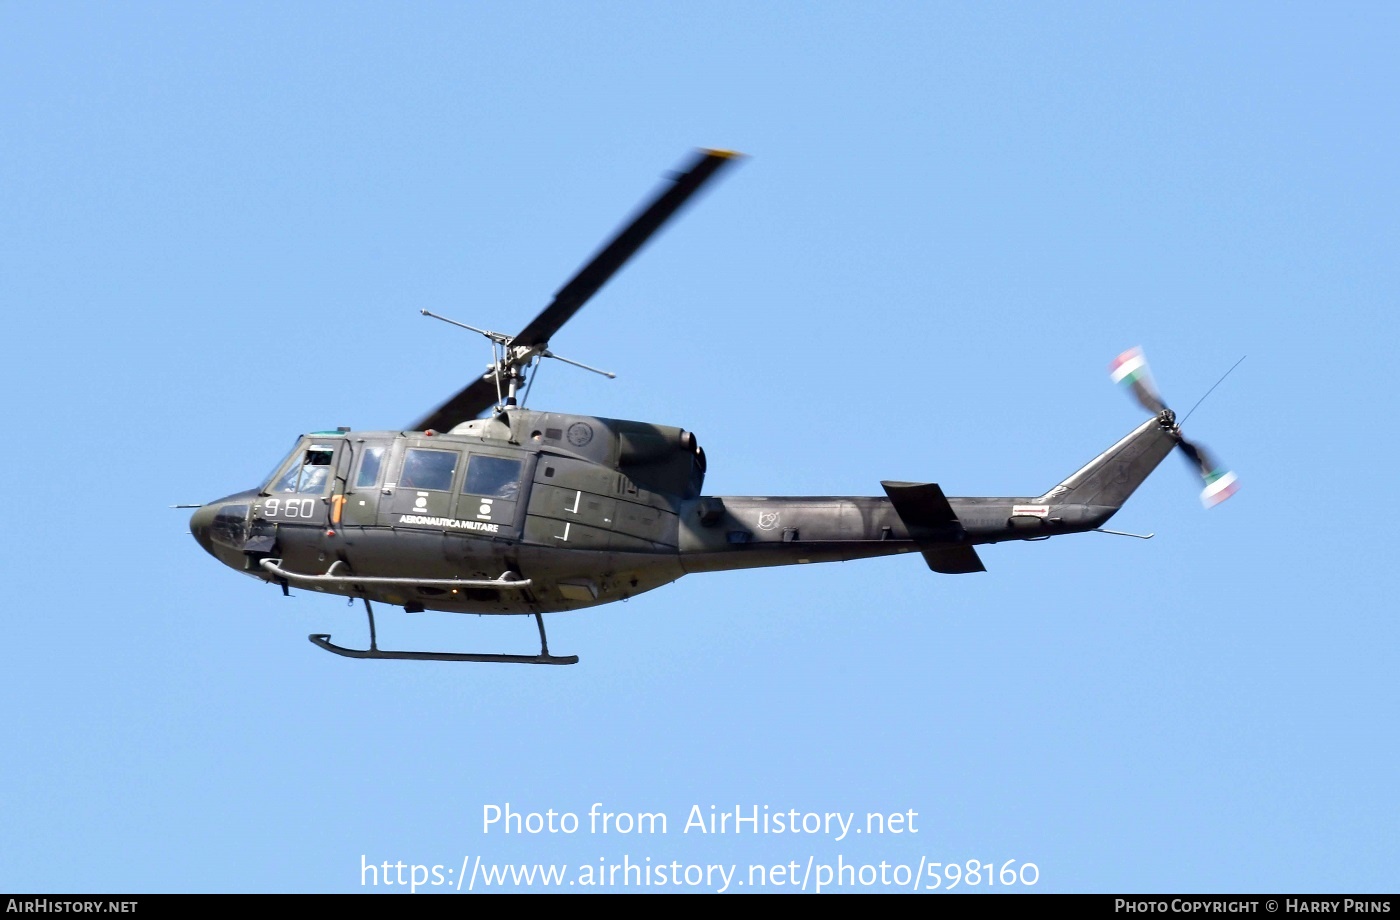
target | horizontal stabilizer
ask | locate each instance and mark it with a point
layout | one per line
(953, 560)
(933, 525)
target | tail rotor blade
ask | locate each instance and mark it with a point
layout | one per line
(1130, 369)
(1220, 483)
(1196, 455)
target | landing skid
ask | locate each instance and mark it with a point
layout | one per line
(374, 651)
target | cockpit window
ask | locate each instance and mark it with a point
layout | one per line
(280, 463)
(428, 469)
(493, 477)
(310, 475)
(370, 462)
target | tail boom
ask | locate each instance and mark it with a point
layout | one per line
(735, 532)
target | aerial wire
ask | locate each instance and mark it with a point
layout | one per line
(1212, 389)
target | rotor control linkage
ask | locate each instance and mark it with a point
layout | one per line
(508, 360)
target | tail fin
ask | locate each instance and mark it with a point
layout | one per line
(1108, 479)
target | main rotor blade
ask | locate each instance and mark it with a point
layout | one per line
(622, 247)
(467, 404)
(480, 394)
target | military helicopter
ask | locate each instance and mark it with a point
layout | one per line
(483, 506)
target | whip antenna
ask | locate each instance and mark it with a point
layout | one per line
(1212, 389)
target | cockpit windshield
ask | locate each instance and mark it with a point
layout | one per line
(308, 472)
(286, 458)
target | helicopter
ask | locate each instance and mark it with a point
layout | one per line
(484, 506)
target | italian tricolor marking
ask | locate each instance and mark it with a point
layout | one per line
(1219, 486)
(1128, 367)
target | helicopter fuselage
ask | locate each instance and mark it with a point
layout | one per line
(588, 510)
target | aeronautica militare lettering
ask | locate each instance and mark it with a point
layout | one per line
(422, 521)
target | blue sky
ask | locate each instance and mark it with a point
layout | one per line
(218, 223)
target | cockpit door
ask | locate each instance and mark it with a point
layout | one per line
(300, 493)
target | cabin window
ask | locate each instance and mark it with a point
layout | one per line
(429, 469)
(310, 475)
(493, 477)
(370, 462)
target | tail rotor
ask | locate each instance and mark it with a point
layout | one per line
(1130, 369)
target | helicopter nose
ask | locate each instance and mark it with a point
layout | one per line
(221, 527)
(201, 522)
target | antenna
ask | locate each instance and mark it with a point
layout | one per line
(1212, 389)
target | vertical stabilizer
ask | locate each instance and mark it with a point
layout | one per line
(1113, 475)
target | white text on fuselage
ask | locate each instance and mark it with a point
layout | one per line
(421, 521)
